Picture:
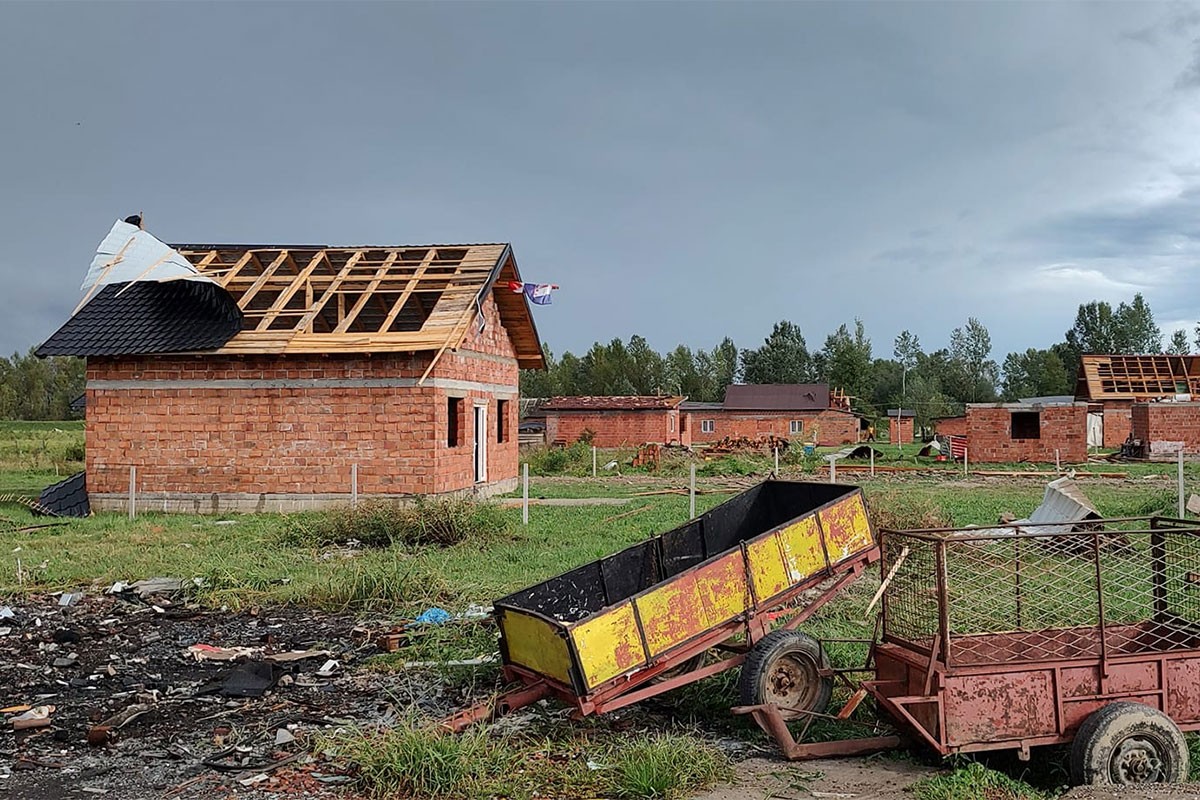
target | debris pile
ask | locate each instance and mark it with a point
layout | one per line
(745, 444)
(139, 692)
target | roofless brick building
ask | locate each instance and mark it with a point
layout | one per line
(283, 378)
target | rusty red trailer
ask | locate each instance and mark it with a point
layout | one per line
(1013, 638)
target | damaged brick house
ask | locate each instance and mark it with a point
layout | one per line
(1112, 384)
(807, 412)
(1001, 432)
(274, 377)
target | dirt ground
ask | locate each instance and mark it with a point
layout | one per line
(871, 778)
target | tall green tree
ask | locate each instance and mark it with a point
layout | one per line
(646, 371)
(1179, 343)
(1137, 331)
(724, 367)
(683, 375)
(970, 351)
(1034, 373)
(782, 358)
(541, 382)
(845, 362)
(39, 388)
(907, 351)
(1127, 329)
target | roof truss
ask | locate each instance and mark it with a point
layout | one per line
(312, 299)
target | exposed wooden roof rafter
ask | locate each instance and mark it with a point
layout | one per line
(312, 299)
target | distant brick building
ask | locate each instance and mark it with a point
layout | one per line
(807, 412)
(616, 421)
(900, 425)
(950, 426)
(394, 366)
(1001, 432)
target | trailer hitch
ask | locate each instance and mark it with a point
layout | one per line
(771, 721)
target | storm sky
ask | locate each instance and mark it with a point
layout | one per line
(682, 171)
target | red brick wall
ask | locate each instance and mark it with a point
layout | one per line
(298, 438)
(1167, 422)
(951, 426)
(989, 435)
(903, 433)
(486, 358)
(615, 428)
(829, 427)
(1116, 424)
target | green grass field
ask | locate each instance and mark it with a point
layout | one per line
(34, 455)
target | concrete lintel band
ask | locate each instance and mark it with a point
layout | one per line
(499, 389)
(475, 354)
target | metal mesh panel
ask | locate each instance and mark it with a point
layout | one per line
(1071, 595)
(1181, 579)
(910, 605)
(1013, 598)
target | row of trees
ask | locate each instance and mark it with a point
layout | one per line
(39, 388)
(932, 383)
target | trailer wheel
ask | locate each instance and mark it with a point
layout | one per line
(1128, 743)
(783, 668)
(691, 665)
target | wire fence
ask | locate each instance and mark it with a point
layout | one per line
(1012, 595)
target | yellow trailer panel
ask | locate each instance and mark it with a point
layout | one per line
(608, 645)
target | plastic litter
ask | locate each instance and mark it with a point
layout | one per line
(433, 616)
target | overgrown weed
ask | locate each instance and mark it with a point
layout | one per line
(439, 522)
(974, 781)
(421, 761)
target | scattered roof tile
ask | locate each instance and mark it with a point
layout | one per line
(67, 498)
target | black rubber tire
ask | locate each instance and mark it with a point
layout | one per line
(1128, 743)
(781, 668)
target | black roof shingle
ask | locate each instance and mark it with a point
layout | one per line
(148, 317)
(68, 498)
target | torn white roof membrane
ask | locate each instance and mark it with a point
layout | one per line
(130, 254)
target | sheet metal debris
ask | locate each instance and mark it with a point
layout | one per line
(1064, 508)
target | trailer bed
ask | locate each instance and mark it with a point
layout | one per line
(631, 612)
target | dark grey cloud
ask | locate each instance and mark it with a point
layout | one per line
(683, 171)
(1155, 228)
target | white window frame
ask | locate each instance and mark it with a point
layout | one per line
(796, 427)
(708, 425)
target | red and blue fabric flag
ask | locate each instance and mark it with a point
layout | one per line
(538, 293)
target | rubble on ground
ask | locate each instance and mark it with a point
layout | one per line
(138, 692)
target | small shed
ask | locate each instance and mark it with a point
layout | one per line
(618, 421)
(282, 377)
(900, 425)
(1010, 432)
